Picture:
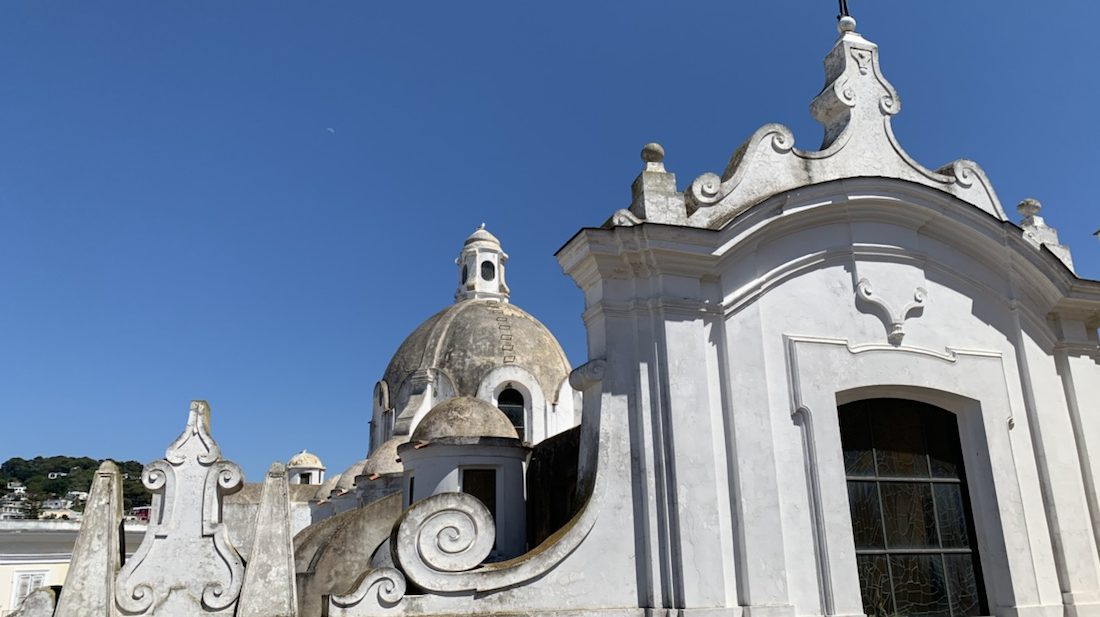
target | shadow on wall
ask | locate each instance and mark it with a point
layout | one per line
(552, 485)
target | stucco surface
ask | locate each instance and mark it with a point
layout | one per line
(239, 512)
(384, 458)
(467, 340)
(329, 556)
(463, 416)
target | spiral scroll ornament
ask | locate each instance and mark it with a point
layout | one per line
(964, 173)
(588, 374)
(707, 189)
(445, 533)
(155, 475)
(383, 587)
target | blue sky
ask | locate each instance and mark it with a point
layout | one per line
(253, 202)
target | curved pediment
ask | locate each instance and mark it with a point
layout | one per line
(855, 108)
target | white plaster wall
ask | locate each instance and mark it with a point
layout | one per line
(437, 468)
(727, 334)
(819, 300)
(534, 402)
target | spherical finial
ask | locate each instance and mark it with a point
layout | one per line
(846, 23)
(653, 153)
(1029, 207)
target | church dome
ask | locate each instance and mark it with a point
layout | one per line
(463, 416)
(326, 488)
(347, 479)
(304, 460)
(383, 460)
(470, 338)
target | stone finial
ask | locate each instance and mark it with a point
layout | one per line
(97, 556)
(1028, 208)
(269, 588)
(654, 196)
(653, 155)
(185, 565)
(846, 23)
(1038, 233)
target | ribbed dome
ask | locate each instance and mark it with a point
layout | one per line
(466, 341)
(463, 416)
(384, 458)
(304, 460)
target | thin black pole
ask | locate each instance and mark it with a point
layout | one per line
(843, 9)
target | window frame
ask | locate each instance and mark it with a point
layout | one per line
(931, 418)
(15, 584)
(524, 428)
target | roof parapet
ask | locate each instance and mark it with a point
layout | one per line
(855, 108)
(1039, 234)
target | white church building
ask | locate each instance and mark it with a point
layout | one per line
(822, 382)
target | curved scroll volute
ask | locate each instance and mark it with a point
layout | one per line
(444, 533)
(185, 564)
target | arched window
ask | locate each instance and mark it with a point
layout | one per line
(488, 270)
(915, 546)
(510, 401)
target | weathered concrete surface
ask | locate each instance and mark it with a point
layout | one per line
(464, 340)
(269, 589)
(39, 604)
(239, 512)
(186, 565)
(331, 555)
(1039, 234)
(97, 557)
(463, 416)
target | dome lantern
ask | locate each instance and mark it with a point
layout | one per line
(481, 268)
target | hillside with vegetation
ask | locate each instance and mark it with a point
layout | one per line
(69, 474)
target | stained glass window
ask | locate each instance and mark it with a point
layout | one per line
(911, 516)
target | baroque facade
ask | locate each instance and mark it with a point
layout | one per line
(828, 382)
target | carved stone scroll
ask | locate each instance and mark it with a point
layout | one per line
(855, 108)
(185, 565)
(894, 321)
(445, 533)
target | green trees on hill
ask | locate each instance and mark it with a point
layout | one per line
(70, 474)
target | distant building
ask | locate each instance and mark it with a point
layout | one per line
(59, 514)
(141, 513)
(57, 503)
(34, 554)
(305, 468)
(13, 507)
